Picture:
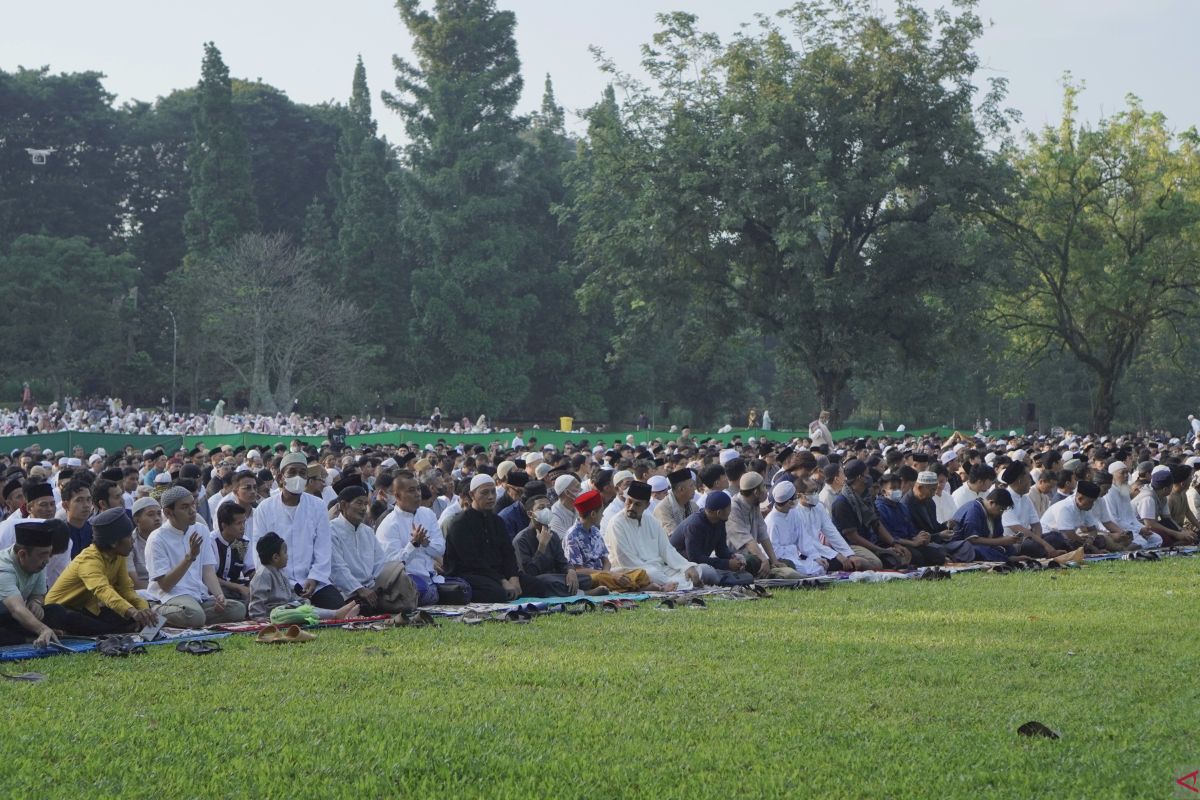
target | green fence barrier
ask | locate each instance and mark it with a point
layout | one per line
(66, 441)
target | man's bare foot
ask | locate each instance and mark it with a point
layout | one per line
(670, 586)
(348, 610)
(597, 591)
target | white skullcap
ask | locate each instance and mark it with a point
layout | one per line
(947, 457)
(94, 457)
(783, 491)
(623, 475)
(989, 458)
(598, 449)
(727, 456)
(658, 483)
(533, 458)
(388, 463)
(504, 468)
(1159, 470)
(1019, 455)
(481, 480)
(142, 503)
(63, 462)
(563, 482)
(253, 454)
(542, 470)
(162, 477)
(74, 462)
(927, 478)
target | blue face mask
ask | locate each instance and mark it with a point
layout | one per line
(896, 494)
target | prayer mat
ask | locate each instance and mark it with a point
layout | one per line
(21, 652)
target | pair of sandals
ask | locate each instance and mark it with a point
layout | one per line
(198, 647)
(120, 646)
(413, 619)
(671, 603)
(518, 615)
(613, 606)
(935, 574)
(754, 592)
(273, 634)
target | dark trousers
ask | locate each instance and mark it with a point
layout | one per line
(556, 585)
(927, 555)
(84, 623)
(329, 597)
(487, 589)
(13, 632)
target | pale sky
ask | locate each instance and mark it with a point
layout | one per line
(307, 47)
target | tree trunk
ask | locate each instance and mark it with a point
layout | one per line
(831, 383)
(1104, 402)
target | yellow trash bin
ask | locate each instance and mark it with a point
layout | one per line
(566, 424)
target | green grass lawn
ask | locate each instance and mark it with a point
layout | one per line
(910, 689)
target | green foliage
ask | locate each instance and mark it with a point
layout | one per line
(815, 188)
(68, 324)
(221, 196)
(460, 215)
(718, 703)
(370, 270)
(1103, 225)
(78, 191)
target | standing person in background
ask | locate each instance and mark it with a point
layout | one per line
(818, 431)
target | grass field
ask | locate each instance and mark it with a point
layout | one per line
(911, 689)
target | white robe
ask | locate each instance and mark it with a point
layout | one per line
(793, 540)
(357, 556)
(634, 544)
(395, 537)
(308, 537)
(8, 529)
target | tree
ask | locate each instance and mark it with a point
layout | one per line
(69, 331)
(817, 189)
(369, 264)
(459, 215)
(80, 188)
(278, 323)
(1103, 226)
(221, 197)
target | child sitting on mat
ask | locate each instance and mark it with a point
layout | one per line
(270, 589)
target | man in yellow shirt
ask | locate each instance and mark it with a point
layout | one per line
(94, 596)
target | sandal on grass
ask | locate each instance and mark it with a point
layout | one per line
(198, 647)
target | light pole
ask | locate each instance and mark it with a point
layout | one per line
(174, 355)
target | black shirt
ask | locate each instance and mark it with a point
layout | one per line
(478, 544)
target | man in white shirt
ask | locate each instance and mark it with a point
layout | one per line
(978, 484)
(562, 513)
(182, 567)
(302, 521)
(1068, 523)
(361, 569)
(1022, 519)
(834, 481)
(411, 534)
(817, 526)
(1121, 510)
(787, 533)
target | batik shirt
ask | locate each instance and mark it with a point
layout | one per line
(585, 547)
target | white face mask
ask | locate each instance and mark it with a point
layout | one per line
(896, 494)
(543, 516)
(812, 499)
(295, 484)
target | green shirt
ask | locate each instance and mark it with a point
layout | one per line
(16, 582)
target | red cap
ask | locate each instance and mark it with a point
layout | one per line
(588, 502)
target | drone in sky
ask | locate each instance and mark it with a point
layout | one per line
(39, 156)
